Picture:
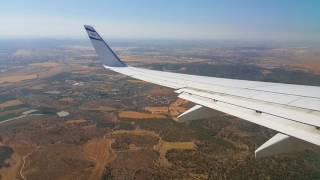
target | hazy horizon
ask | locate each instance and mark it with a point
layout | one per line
(218, 43)
(287, 20)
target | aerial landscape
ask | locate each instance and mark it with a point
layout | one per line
(65, 117)
(160, 90)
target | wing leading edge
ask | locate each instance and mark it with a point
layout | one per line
(292, 110)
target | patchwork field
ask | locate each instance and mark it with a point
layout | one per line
(17, 78)
(139, 115)
(121, 128)
(100, 151)
(77, 121)
(99, 108)
(10, 103)
(178, 107)
(157, 110)
(163, 147)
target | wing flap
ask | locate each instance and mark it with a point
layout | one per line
(281, 143)
(195, 113)
(295, 129)
(288, 112)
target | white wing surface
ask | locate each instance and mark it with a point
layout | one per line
(292, 110)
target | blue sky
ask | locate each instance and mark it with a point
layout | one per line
(182, 19)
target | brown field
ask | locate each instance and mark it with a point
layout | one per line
(100, 151)
(160, 91)
(137, 132)
(130, 58)
(100, 108)
(10, 103)
(163, 147)
(134, 81)
(57, 161)
(12, 172)
(17, 78)
(45, 64)
(305, 59)
(139, 115)
(135, 153)
(157, 110)
(39, 70)
(17, 161)
(76, 121)
(178, 107)
(104, 87)
(51, 71)
(88, 127)
(38, 87)
(47, 69)
(82, 69)
(67, 100)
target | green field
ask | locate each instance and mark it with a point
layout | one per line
(5, 153)
(8, 116)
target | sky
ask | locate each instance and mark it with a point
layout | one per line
(173, 19)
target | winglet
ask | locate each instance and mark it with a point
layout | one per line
(105, 53)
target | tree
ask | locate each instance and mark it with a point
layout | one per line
(107, 174)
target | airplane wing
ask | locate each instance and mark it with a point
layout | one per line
(291, 110)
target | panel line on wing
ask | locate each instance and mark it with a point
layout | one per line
(291, 128)
(297, 114)
(268, 98)
(176, 76)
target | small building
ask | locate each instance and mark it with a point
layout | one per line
(63, 114)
